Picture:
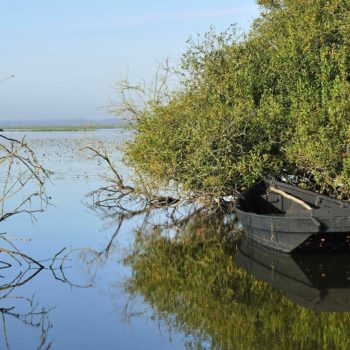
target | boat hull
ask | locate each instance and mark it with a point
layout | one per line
(279, 223)
(281, 241)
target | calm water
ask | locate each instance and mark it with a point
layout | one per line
(147, 282)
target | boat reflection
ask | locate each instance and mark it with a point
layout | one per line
(317, 281)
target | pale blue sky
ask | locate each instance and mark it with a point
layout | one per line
(67, 55)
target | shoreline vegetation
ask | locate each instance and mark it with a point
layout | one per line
(62, 125)
(273, 102)
(67, 128)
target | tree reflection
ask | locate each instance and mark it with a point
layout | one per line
(17, 269)
(192, 286)
(28, 312)
(137, 214)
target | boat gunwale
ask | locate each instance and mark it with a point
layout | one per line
(308, 214)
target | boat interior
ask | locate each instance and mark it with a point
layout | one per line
(286, 200)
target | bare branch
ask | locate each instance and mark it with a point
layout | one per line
(19, 167)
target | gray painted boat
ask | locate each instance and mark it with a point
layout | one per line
(283, 216)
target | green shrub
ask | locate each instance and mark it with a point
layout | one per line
(273, 102)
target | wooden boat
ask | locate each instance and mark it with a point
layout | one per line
(283, 216)
(315, 281)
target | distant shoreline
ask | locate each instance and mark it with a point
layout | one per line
(64, 128)
(63, 124)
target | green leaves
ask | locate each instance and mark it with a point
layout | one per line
(274, 102)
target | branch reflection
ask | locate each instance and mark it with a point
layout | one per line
(16, 270)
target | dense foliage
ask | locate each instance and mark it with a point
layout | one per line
(273, 102)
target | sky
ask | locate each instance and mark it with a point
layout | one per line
(67, 55)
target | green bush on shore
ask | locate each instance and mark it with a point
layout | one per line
(273, 102)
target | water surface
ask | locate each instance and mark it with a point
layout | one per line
(148, 282)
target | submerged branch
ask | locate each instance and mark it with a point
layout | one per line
(118, 194)
(132, 201)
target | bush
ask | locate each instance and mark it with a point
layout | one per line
(273, 102)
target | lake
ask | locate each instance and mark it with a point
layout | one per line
(152, 280)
